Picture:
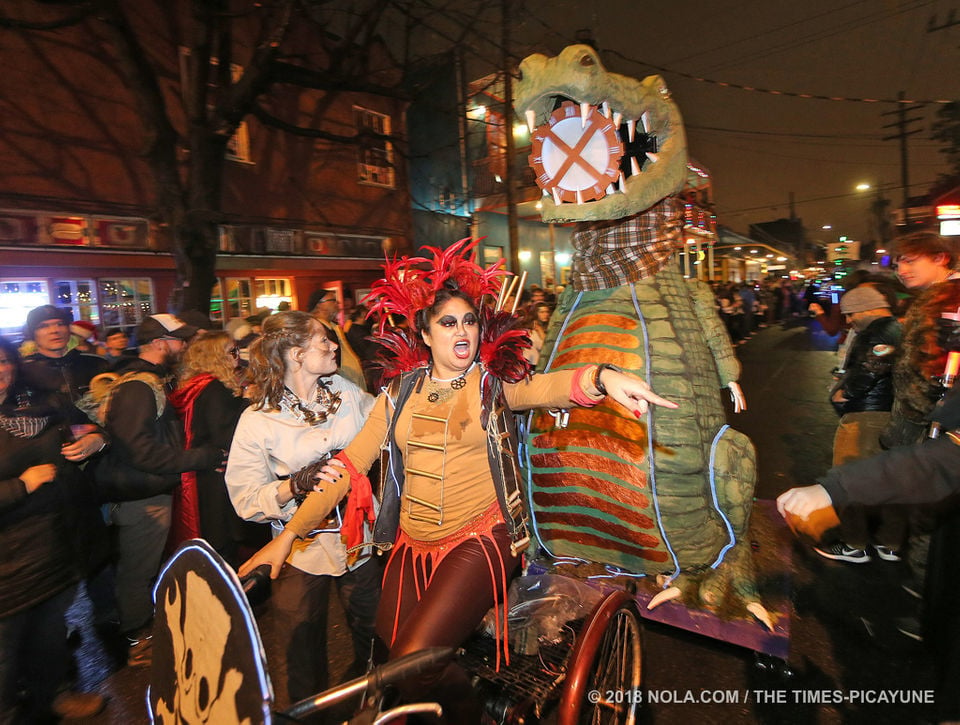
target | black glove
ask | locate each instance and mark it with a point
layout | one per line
(303, 481)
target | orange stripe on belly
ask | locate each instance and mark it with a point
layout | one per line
(554, 500)
(607, 320)
(631, 546)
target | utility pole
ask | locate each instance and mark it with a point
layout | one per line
(508, 116)
(901, 125)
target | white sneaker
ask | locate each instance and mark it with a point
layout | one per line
(842, 552)
(886, 553)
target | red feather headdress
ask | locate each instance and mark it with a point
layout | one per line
(410, 284)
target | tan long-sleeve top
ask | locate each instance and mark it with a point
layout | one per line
(465, 488)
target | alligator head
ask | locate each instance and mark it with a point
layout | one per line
(605, 146)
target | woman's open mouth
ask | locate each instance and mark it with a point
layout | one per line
(462, 349)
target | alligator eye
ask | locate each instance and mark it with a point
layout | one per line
(586, 60)
(519, 75)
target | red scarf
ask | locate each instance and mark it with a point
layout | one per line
(185, 519)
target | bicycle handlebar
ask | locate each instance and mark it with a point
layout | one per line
(256, 585)
(379, 677)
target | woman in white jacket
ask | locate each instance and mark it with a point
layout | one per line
(302, 412)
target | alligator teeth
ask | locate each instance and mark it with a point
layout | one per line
(531, 120)
(546, 192)
(579, 197)
(623, 183)
(617, 118)
(645, 120)
(610, 191)
(605, 109)
(584, 114)
(631, 130)
(634, 166)
(653, 157)
(556, 196)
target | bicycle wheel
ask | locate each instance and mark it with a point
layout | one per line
(604, 673)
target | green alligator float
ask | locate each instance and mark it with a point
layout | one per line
(670, 495)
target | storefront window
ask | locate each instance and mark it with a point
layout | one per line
(271, 292)
(125, 302)
(80, 296)
(237, 300)
(17, 298)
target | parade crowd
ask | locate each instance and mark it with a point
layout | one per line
(251, 437)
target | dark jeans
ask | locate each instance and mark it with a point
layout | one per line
(446, 614)
(141, 529)
(34, 654)
(302, 602)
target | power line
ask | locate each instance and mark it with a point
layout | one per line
(859, 22)
(848, 195)
(772, 92)
(769, 31)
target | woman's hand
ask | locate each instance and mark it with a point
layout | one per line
(631, 392)
(332, 472)
(274, 554)
(802, 502)
(84, 447)
(35, 476)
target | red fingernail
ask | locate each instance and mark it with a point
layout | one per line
(637, 413)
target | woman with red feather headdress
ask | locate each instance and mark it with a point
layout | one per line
(451, 512)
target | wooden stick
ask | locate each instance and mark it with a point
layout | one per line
(501, 296)
(513, 284)
(516, 299)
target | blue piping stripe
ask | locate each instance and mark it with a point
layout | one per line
(716, 503)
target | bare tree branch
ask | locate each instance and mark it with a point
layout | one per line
(325, 81)
(84, 12)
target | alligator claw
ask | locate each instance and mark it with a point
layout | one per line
(665, 596)
(761, 613)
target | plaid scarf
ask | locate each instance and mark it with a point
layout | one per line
(621, 251)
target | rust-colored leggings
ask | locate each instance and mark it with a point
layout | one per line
(448, 611)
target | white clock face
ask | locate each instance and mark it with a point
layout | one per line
(576, 154)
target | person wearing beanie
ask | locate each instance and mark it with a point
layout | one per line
(863, 397)
(55, 367)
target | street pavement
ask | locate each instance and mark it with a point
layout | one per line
(845, 653)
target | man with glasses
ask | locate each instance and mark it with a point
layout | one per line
(141, 468)
(325, 307)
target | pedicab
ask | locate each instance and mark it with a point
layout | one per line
(209, 663)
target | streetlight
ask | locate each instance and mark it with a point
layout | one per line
(878, 215)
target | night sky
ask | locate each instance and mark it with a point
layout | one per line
(759, 146)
